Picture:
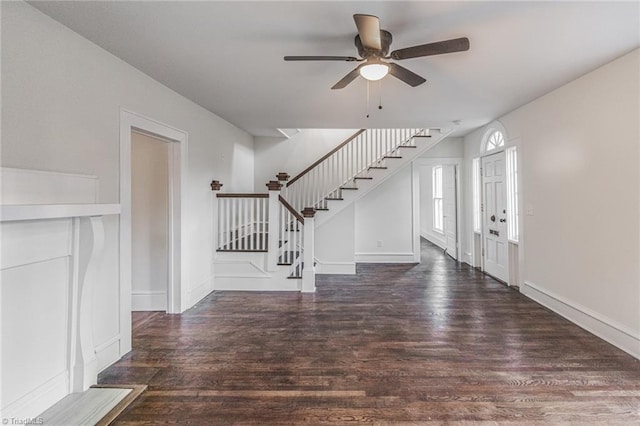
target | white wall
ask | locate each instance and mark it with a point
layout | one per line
(149, 223)
(273, 155)
(335, 244)
(61, 100)
(384, 221)
(579, 166)
(448, 148)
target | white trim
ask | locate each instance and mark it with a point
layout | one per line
(607, 329)
(343, 268)
(178, 280)
(149, 301)
(489, 130)
(30, 186)
(434, 239)
(39, 399)
(271, 283)
(415, 212)
(200, 291)
(447, 161)
(385, 258)
(16, 212)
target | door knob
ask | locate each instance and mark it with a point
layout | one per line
(493, 218)
(503, 220)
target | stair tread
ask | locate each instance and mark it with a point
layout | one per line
(334, 199)
(378, 167)
(322, 208)
(392, 156)
(347, 187)
(364, 177)
(407, 146)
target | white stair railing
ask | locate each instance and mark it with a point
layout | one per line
(291, 239)
(353, 158)
(266, 223)
(242, 222)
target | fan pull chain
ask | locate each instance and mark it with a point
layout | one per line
(368, 109)
(380, 92)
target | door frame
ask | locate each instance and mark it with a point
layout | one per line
(446, 161)
(482, 241)
(176, 293)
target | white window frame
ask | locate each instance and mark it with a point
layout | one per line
(495, 140)
(513, 233)
(477, 179)
(437, 200)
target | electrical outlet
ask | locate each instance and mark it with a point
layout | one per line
(379, 243)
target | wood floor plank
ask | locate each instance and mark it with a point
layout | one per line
(437, 342)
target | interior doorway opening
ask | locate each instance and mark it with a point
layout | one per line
(176, 141)
(149, 222)
(439, 183)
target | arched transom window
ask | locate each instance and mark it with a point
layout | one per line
(496, 140)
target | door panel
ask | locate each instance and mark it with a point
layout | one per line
(494, 229)
(450, 214)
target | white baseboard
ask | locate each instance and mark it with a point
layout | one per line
(108, 352)
(385, 258)
(149, 301)
(343, 268)
(434, 239)
(467, 258)
(200, 291)
(39, 399)
(607, 329)
(257, 284)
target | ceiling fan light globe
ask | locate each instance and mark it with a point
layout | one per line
(374, 72)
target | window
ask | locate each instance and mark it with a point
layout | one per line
(496, 140)
(438, 210)
(512, 194)
(477, 214)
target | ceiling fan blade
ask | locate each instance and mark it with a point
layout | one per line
(437, 48)
(321, 58)
(409, 77)
(347, 79)
(369, 31)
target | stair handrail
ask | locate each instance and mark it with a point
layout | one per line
(293, 211)
(327, 155)
(362, 151)
(241, 195)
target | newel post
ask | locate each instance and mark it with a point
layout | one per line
(283, 176)
(215, 187)
(274, 225)
(309, 270)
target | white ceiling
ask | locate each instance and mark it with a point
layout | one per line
(227, 56)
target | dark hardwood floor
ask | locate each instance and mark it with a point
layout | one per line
(435, 342)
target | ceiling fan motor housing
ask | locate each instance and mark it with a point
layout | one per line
(385, 42)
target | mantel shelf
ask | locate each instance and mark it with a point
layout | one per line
(16, 212)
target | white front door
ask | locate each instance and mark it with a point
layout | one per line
(494, 216)
(449, 199)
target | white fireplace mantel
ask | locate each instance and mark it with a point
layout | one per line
(38, 240)
(9, 213)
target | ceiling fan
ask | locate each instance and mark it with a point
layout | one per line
(373, 47)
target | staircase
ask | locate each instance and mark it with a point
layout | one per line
(266, 241)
